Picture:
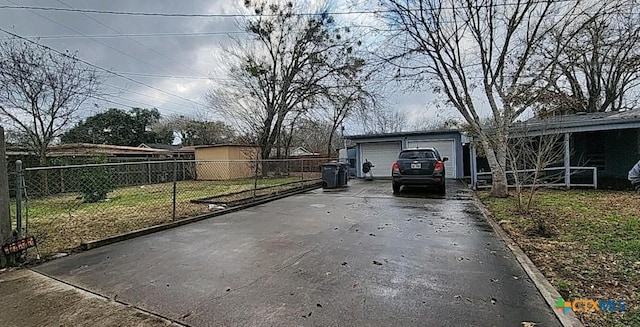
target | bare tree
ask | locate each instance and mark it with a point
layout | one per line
(379, 118)
(529, 154)
(435, 124)
(598, 69)
(291, 63)
(315, 135)
(41, 92)
(481, 55)
(344, 104)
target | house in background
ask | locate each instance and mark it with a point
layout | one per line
(599, 148)
(177, 150)
(161, 146)
(225, 161)
(302, 152)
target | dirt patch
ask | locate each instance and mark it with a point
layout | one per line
(590, 248)
(30, 299)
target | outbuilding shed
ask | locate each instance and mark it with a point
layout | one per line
(225, 161)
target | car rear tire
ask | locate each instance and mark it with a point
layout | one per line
(442, 189)
(396, 188)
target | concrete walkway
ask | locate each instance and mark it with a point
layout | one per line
(30, 299)
(356, 257)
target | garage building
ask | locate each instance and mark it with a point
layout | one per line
(382, 150)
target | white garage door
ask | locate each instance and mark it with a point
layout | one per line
(446, 149)
(381, 155)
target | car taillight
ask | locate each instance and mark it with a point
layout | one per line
(395, 167)
(439, 167)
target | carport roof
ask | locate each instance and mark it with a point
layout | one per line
(581, 122)
(402, 134)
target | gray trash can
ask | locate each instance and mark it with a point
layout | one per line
(330, 175)
(343, 174)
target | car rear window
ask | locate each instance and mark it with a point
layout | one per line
(418, 154)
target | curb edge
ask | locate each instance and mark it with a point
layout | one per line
(548, 292)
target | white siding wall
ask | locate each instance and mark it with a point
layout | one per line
(446, 149)
(382, 155)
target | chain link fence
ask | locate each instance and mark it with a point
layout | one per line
(63, 206)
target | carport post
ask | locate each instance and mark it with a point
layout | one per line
(474, 169)
(567, 161)
(5, 213)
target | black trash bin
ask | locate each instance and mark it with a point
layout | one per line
(330, 173)
(343, 174)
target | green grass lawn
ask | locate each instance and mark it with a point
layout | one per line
(63, 221)
(594, 248)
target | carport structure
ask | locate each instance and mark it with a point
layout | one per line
(382, 149)
(599, 149)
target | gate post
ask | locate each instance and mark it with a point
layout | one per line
(5, 213)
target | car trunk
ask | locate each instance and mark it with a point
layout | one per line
(422, 166)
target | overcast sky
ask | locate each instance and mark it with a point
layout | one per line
(179, 65)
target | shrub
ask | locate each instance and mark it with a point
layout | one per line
(96, 182)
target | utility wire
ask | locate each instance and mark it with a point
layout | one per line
(141, 35)
(101, 68)
(133, 40)
(155, 14)
(98, 41)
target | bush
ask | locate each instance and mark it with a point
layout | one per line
(96, 182)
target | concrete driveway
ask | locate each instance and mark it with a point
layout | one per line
(358, 257)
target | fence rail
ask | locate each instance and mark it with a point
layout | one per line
(65, 205)
(554, 179)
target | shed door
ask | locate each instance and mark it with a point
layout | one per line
(446, 149)
(382, 156)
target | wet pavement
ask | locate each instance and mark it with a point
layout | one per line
(354, 257)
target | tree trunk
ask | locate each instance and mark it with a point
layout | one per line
(498, 173)
(330, 146)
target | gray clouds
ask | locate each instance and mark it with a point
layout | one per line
(193, 56)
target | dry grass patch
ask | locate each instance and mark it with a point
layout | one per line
(592, 251)
(62, 222)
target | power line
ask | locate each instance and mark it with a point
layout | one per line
(102, 69)
(192, 15)
(98, 41)
(135, 41)
(141, 35)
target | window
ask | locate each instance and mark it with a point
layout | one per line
(418, 154)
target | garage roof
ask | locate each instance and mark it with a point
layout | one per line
(402, 134)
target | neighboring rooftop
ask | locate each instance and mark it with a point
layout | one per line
(161, 146)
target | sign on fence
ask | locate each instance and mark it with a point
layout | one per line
(19, 245)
